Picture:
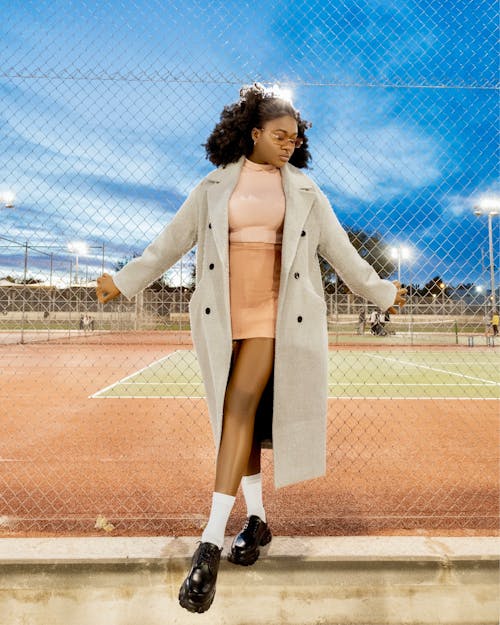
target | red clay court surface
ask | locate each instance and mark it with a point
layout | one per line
(147, 465)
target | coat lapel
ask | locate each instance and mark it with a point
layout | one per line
(299, 197)
(222, 183)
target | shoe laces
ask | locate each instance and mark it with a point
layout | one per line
(208, 554)
(252, 524)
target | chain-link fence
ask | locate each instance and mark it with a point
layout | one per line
(104, 111)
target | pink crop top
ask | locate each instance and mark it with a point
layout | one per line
(257, 205)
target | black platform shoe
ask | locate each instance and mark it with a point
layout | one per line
(198, 589)
(245, 547)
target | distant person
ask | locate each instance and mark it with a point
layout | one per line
(387, 323)
(81, 325)
(381, 322)
(488, 329)
(494, 323)
(361, 322)
(377, 322)
(256, 219)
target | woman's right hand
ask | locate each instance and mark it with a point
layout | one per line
(399, 300)
(106, 289)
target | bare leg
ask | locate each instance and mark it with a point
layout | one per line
(252, 367)
(253, 464)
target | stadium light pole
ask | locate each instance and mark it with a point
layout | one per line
(479, 291)
(489, 207)
(79, 249)
(400, 252)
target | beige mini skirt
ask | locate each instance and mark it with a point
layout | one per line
(254, 280)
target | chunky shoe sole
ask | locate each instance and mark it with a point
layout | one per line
(250, 556)
(192, 603)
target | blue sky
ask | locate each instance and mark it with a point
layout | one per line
(104, 107)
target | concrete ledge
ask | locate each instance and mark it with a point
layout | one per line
(297, 581)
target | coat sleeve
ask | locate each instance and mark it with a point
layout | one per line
(360, 277)
(177, 238)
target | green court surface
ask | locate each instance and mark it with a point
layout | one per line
(364, 374)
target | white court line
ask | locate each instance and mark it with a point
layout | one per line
(412, 364)
(475, 363)
(103, 390)
(333, 384)
(152, 397)
(165, 383)
(416, 398)
(349, 397)
(406, 384)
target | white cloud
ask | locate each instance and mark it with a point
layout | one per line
(371, 156)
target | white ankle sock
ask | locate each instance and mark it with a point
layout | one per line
(252, 491)
(222, 505)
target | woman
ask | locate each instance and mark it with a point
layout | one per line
(258, 315)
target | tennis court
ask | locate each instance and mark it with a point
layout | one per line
(362, 374)
(115, 425)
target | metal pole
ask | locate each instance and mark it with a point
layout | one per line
(180, 300)
(100, 307)
(51, 295)
(76, 268)
(24, 289)
(337, 310)
(410, 304)
(492, 265)
(70, 294)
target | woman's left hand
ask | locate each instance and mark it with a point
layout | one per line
(400, 298)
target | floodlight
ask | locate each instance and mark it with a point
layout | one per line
(284, 93)
(78, 247)
(8, 199)
(487, 205)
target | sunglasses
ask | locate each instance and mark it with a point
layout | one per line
(281, 138)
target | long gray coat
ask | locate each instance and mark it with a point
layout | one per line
(301, 348)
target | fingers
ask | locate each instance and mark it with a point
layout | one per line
(401, 297)
(399, 300)
(104, 298)
(103, 295)
(106, 289)
(100, 296)
(103, 277)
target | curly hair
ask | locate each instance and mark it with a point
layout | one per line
(231, 138)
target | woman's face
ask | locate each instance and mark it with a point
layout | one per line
(275, 142)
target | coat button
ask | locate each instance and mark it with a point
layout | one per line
(207, 311)
(303, 233)
(211, 266)
(210, 226)
(299, 318)
(296, 275)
